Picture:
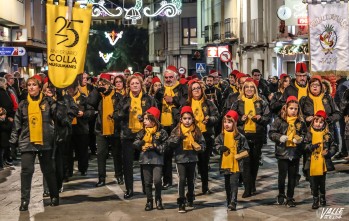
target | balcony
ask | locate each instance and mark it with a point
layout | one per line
(230, 28)
(256, 34)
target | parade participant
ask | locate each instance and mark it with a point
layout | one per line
(212, 93)
(169, 99)
(155, 86)
(206, 116)
(299, 86)
(34, 131)
(84, 86)
(232, 81)
(263, 88)
(254, 115)
(127, 73)
(288, 131)
(105, 127)
(320, 148)
(148, 71)
(274, 83)
(186, 140)
(276, 98)
(129, 113)
(5, 131)
(120, 84)
(151, 141)
(231, 144)
(232, 97)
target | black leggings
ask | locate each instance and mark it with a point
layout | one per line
(318, 184)
(290, 168)
(231, 182)
(186, 172)
(152, 173)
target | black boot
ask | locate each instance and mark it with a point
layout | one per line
(322, 200)
(233, 202)
(315, 203)
(280, 199)
(159, 205)
(149, 205)
(54, 201)
(128, 194)
(181, 205)
(101, 182)
(24, 206)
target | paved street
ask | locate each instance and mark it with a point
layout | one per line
(82, 201)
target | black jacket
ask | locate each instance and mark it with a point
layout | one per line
(154, 155)
(6, 103)
(276, 103)
(214, 94)
(121, 113)
(175, 141)
(5, 131)
(82, 126)
(242, 146)
(291, 90)
(263, 88)
(277, 129)
(228, 103)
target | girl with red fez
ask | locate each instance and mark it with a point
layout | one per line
(150, 141)
(320, 148)
(288, 131)
(276, 102)
(186, 140)
(254, 116)
(232, 145)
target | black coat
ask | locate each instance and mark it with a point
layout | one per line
(6, 103)
(214, 94)
(175, 141)
(276, 103)
(242, 146)
(153, 156)
(5, 132)
(263, 88)
(82, 126)
(278, 128)
(291, 90)
(228, 103)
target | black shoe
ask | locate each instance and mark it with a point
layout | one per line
(322, 200)
(241, 184)
(159, 205)
(46, 194)
(101, 182)
(207, 192)
(120, 180)
(65, 179)
(149, 205)
(280, 199)
(298, 178)
(340, 156)
(181, 208)
(315, 203)
(54, 201)
(290, 202)
(246, 195)
(24, 206)
(8, 163)
(190, 204)
(128, 194)
(84, 173)
(232, 206)
(166, 186)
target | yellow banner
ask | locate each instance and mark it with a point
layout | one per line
(66, 41)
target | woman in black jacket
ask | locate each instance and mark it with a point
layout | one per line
(288, 131)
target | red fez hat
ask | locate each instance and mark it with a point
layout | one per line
(37, 77)
(194, 76)
(182, 76)
(291, 98)
(155, 79)
(127, 71)
(212, 71)
(318, 77)
(240, 75)
(192, 81)
(45, 80)
(233, 114)
(183, 81)
(106, 77)
(149, 68)
(172, 68)
(252, 80)
(154, 111)
(189, 78)
(301, 67)
(138, 74)
(186, 109)
(234, 72)
(283, 75)
(322, 114)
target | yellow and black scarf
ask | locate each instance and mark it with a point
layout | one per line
(148, 137)
(302, 91)
(166, 114)
(35, 120)
(75, 97)
(291, 131)
(250, 111)
(228, 160)
(189, 139)
(317, 101)
(196, 105)
(107, 114)
(136, 110)
(317, 161)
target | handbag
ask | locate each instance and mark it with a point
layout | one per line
(241, 155)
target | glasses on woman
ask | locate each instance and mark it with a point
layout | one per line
(196, 88)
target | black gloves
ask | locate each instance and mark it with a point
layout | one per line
(314, 146)
(223, 149)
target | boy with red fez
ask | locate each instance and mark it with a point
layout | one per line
(169, 99)
(262, 86)
(148, 71)
(320, 148)
(298, 86)
(106, 100)
(127, 73)
(212, 93)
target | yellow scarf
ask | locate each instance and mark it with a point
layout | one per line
(317, 161)
(291, 131)
(228, 160)
(189, 139)
(35, 120)
(75, 97)
(234, 88)
(166, 115)
(148, 139)
(107, 114)
(250, 111)
(122, 92)
(196, 105)
(317, 101)
(136, 110)
(84, 90)
(302, 91)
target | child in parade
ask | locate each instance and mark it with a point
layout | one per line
(151, 143)
(187, 140)
(230, 143)
(320, 148)
(288, 131)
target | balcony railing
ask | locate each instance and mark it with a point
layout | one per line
(256, 34)
(230, 27)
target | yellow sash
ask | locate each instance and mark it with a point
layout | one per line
(136, 110)
(291, 131)
(75, 97)
(166, 114)
(250, 111)
(317, 101)
(35, 120)
(189, 139)
(107, 114)
(196, 105)
(148, 139)
(234, 88)
(302, 91)
(228, 160)
(317, 161)
(84, 90)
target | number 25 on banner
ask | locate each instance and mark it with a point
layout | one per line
(66, 41)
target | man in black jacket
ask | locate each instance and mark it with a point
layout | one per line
(263, 87)
(299, 86)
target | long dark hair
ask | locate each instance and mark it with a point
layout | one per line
(190, 91)
(283, 113)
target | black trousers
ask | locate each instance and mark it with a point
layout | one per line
(231, 184)
(127, 157)
(318, 184)
(152, 173)
(186, 173)
(27, 171)
(79, 143)
(118, 156)
(345, 143)
(92, 135)
(204, 160)
(67, 157)
(290, 168)
(103, 143)
(58, 166)
(167, 168)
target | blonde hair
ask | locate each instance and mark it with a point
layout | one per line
(255, 90)
(128, 82)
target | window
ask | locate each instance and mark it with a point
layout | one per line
(227, 31)
(189, 35)
(110, 22)
(96, 22)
